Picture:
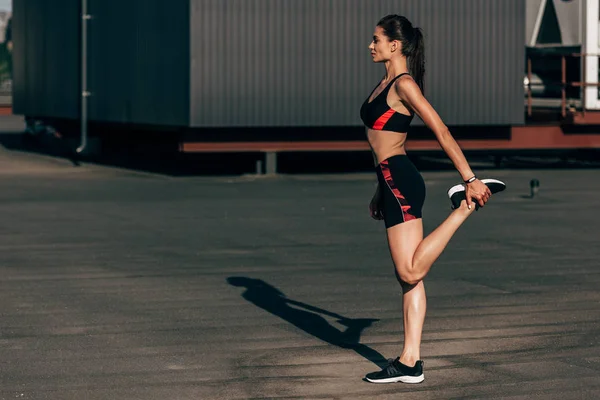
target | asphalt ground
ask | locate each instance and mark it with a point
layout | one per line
(121, 284)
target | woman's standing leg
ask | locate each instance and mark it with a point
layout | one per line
(414, 301)
(414, 306)
(406, 244)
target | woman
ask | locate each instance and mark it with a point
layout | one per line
(400, 194)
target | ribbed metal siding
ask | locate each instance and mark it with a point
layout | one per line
(261, 62)
(139, 61)
(306, 63)
(46, 58)
(476, 58)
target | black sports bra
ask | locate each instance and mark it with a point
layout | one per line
(379, 116)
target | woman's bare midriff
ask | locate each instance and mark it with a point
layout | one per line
(386, 144)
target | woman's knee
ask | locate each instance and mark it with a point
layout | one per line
(407, 277)
(406, 287)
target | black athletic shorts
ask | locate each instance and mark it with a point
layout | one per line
(402, 188)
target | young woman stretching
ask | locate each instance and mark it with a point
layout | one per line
(398, 200)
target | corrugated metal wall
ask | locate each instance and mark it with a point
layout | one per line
(45, 58)
(138, 60)
(477, 58)
(306, 63)
(212, 63)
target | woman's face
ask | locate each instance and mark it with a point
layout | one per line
(381, 47)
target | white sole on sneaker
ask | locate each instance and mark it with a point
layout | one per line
(455, 189)
(403, 379)
(461, 187)
(496, 181)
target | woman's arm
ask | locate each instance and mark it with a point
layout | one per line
(410, 94)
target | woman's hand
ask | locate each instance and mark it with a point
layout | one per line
(376, 205)
(479, 191)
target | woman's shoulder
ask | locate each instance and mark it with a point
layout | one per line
(406, 85)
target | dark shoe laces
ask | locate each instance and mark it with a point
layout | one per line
(391, 368)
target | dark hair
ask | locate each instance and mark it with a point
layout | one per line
(397, 27)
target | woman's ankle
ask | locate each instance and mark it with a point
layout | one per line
(409, 359)
(463, 209)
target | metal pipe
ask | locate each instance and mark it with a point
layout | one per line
(529, 111)
(85, 17)
(583, 61)
(564, 87)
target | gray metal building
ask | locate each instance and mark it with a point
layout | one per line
(260, 63)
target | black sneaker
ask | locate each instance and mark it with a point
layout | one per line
(457, 193)
(395, 371)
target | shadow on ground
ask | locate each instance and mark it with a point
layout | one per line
(309, 318)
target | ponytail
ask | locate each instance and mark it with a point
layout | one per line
(416, 58)
(397, 27)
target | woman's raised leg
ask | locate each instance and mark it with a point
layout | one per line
(414, 257)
